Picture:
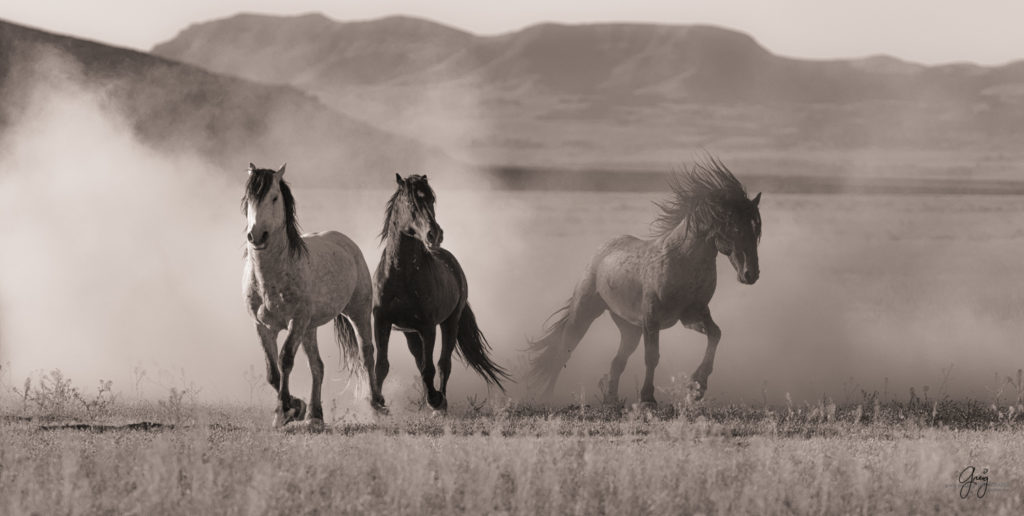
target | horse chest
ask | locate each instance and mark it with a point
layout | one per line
(275, 305)
(416, 295)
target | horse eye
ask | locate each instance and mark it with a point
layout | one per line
(274, 199)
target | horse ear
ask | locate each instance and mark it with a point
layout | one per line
(252, 168)
(280, 171)
(399, 180)
(757, 198)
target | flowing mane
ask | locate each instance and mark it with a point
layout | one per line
(260, 181)
(703, 197)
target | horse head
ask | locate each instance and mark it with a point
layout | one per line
(737, 237)
(269, 209)
(411, 212)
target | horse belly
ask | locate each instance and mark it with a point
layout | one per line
(623, 296)
(332, 276)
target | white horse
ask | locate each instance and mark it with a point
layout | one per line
(300, 282)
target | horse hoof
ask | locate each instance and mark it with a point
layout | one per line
(308, 426)
(315, 424)
(648, 405)
(378, 406)
(300, 411)
(441, 409)
(697, 390)
(296, 412)
(281, 419)
(438, 403)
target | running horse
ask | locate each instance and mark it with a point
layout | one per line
(297, 283)
(419, 286)
(649, 285)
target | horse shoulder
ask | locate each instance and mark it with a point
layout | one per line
(250, 289)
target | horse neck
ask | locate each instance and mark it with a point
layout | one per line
(689, 243)
(274, 264)
(402, 249)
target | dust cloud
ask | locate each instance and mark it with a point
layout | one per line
(117, 258)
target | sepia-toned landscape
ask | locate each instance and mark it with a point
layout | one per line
(875, 361)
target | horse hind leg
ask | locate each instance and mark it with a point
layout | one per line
(364, 336)
(315, 413)
(629, 340)
(449, 339)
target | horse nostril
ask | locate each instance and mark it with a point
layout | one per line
(249, 236)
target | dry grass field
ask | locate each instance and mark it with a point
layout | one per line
(896, 458)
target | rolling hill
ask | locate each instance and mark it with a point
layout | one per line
(631, 96)
(226, 120)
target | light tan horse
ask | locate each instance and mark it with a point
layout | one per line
(650, 285)
(300, 282)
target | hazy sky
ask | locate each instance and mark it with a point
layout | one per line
(929, 31)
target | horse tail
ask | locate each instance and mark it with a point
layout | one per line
(570, 322)
(473, 348)
(345, 334)
(549, 353)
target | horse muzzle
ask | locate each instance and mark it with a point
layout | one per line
(748, 277)
(434, 238)
(258, 241)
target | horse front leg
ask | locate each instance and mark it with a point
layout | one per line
(706, 325)
(268, 338)
(434, 397)
(381, 337)
(651, 355)
(289, 408)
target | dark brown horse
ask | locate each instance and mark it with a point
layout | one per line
(418, 286)
(650, 285)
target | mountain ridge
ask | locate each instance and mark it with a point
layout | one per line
(227, 120)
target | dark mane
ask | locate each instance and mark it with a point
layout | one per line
(260, 181)
(703, 197)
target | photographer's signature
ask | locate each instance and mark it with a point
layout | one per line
(969, 479)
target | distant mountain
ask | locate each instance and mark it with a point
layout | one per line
(681, 62)
(312, 49)
(228, 120)
(631, 95)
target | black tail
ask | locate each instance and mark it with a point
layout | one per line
(347, 343)
(549, 353)
(473, 348)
